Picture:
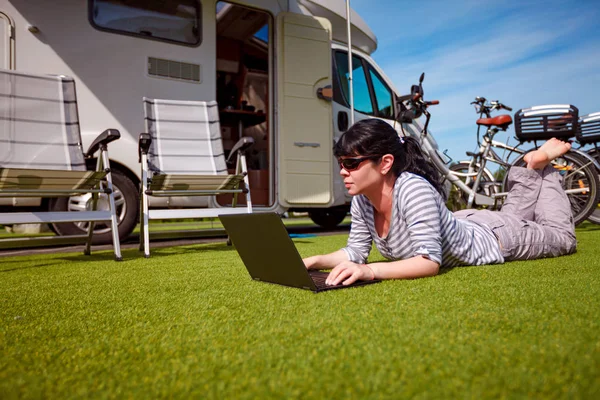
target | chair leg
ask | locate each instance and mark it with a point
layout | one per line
(88, 243)
(144, 234)
(141, 244)
(234, 197)
(90, 235)
(115, 229)
(242, 161)
(113, 211)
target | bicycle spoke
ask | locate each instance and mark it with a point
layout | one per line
(577, 170)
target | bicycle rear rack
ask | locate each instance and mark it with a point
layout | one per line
(546, 122)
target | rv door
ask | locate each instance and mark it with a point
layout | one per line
(305, 139)
(6, 38)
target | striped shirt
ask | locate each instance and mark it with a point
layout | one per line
(421, 225)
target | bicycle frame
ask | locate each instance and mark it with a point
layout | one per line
(440, 165)
(479, 160)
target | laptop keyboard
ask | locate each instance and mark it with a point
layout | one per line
(319, 278)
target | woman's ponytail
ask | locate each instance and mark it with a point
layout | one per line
(411, 159)
(376, 137)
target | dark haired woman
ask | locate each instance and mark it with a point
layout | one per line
(398, 205)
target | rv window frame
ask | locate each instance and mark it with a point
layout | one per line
(345, 101)
(373, 71)
(153, 38)
(339, 96)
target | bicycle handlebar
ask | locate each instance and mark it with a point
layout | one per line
(418, 102)
(417, 106)
(486, 108)
(497, 105)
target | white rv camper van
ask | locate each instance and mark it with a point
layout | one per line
(268, 64)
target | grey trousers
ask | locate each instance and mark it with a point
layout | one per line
(535, 220)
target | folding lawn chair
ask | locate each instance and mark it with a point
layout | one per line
(182, 155)
(41, 153)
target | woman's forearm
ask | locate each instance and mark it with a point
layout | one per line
(325, 261)
(411, 268)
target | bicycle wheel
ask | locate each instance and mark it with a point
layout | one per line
(457, 199)
(595, 215)
(580, 180)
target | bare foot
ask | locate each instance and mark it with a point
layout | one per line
(550, 150)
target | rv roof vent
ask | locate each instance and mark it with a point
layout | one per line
(162, 68)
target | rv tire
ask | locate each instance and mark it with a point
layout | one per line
(328, 218)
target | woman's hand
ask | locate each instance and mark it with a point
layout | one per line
(348, 272)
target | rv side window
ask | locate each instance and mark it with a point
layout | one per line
(383, 95)
(176, 21)
(362, 97)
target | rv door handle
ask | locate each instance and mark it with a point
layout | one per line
(342, 121)
(303, 144)
(325, 93)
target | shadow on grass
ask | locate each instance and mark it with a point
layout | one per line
(301, 241)
(27, 267)
(185, 249)
(445, 270)
(104, 256)
(587, 227)
(58, 261)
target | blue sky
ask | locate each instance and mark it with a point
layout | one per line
(523, 53)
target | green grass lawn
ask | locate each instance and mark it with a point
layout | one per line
(189, 323)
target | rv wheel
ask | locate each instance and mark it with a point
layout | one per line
(328, 218)
(127, 206)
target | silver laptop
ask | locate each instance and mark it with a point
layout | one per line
(269, 254)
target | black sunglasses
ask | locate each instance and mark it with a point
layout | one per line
(350, 164)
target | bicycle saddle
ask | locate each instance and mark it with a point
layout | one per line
(501, 121)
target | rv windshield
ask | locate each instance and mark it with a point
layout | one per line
(175, 21)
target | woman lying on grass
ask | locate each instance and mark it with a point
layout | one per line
(398, 204)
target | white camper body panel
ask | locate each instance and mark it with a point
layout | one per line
(112, 75)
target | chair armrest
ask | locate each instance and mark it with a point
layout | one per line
(144, 143)
(102, 140)
(241, 146)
